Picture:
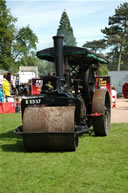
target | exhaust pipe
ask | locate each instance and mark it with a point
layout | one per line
(58, 51)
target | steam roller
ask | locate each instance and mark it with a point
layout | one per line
(69, 104)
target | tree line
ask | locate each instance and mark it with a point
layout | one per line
(115, 41)
(17, 47)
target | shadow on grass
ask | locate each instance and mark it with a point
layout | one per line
(10, 137)
(17, 147)
(14, 142)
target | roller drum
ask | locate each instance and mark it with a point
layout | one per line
(49, 128)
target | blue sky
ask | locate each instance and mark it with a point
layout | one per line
(87, 17)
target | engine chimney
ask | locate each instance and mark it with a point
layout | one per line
(58, 51)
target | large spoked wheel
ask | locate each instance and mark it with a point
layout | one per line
(101, 107)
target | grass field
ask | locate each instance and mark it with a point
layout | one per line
(100, 164)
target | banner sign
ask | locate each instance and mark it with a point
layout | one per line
(36, 86)
(104, 82)
(7, 107)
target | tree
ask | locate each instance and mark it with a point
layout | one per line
(7, 33)
(25, 40)
(96, 46)
(14, 44)
(102, 70)
(117, 33)
(66, 30)
(44, 67)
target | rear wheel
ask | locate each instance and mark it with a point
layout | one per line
(101, 105)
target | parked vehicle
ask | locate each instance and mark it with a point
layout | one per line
(24, 77)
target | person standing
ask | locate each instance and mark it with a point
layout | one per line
(7, 88)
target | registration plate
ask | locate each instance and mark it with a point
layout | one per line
(32, 101)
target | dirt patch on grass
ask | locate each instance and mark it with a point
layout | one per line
(120, 113)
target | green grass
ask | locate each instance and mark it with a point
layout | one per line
(100, 164)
